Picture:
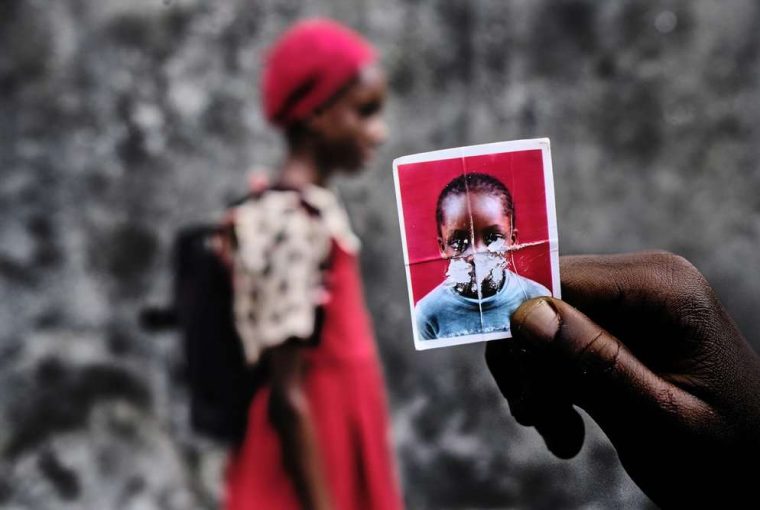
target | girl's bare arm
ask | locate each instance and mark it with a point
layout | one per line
(291, 417)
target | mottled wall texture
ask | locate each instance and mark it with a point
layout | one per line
(121, 121)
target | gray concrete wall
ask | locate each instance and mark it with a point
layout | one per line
(121, 121)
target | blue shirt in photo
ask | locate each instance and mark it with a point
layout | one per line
(444, 313)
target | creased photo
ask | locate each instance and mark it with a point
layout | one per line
(480, 237)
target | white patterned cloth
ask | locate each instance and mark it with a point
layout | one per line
(283, 242)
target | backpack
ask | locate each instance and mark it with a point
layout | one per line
(221, 383)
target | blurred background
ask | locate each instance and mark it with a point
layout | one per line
(122, 121)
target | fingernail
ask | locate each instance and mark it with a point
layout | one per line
(537, 319)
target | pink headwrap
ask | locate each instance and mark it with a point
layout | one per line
(307, 65)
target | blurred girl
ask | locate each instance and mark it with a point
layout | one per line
(318, 431)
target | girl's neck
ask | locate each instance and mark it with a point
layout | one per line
(302, 168)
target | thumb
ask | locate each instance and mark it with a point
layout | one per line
(604, 377)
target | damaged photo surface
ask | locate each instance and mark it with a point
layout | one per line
(480, 237)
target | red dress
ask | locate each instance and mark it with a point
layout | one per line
(345, 389)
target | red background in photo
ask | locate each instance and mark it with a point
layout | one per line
(421, 183)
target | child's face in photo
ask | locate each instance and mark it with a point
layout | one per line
(468, 269)
(478, 255)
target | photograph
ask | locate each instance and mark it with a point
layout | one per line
(479, 233)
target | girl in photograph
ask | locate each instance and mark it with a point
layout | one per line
(475, 218)
(318, 430)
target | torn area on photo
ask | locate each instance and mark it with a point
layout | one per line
(484, 267)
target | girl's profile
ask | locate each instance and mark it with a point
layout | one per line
(317, 430)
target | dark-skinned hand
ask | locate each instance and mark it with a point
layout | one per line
(642, 344)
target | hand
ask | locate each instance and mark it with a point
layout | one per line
(652, 356)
